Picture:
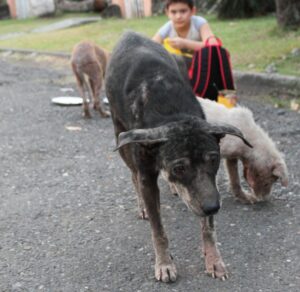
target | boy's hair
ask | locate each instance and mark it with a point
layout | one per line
(190, 3)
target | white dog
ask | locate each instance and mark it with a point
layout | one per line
(263, 164)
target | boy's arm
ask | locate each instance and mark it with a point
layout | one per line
(183, 43)
(206, 32)
(157, 38)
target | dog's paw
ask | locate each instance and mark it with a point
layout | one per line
(166, 272)
(86, 115)
(247, 197)
(105, 114)
(216, 268)
(143, 214)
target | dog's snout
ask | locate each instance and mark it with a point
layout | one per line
(211, 209)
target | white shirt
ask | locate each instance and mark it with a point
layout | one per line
(168, 29)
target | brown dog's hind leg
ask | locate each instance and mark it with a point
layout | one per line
(235, 184)
(96, 85)
(165, 269)
(214, 264)
(81, 84)
(86, 111)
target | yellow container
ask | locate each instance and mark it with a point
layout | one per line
(228, 102)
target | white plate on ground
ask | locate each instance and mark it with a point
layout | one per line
(67, 100)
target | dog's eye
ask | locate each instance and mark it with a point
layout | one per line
(212, 157)
(179, 170)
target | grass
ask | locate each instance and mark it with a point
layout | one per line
(252, 43)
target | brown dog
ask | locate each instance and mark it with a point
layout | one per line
(90, 60)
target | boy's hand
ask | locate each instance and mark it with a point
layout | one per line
(177, 43)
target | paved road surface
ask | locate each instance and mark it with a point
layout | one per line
(68, 218)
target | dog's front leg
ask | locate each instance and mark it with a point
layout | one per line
(235, 184)
(165, 269)
(141, 205)
(214, 264)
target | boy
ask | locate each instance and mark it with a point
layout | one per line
(185, 30)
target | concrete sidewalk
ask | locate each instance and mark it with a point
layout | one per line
(63, 24)
(67, 23)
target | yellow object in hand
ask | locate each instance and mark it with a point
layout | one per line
(173, 50)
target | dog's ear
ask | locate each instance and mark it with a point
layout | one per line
(220, 130)
(280, 171)
(141, 136)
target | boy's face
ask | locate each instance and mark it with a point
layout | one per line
(180, 14)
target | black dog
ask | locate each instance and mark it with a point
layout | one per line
(160, 125)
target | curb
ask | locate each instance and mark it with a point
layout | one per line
(264, 83)
(255, 83)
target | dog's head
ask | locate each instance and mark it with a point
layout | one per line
(261, 174)
(189, 154)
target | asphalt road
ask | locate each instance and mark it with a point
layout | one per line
(68, 216)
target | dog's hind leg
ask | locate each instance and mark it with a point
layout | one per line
(96, 84)
(81, 84)
(235, 184)
(214, 264)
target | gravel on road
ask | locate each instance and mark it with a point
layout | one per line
(68, 212)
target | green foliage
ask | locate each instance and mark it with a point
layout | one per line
(229, 9)
(204, 5)
(288, 14)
